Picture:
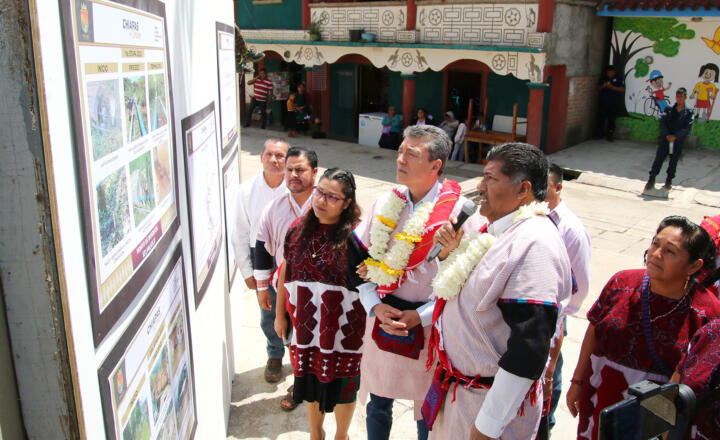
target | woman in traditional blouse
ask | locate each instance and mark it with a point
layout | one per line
(641, 324)
(320, 282)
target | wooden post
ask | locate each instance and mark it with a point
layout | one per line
(535, 113)
(411, 15)
(305, 13)
(408, 105)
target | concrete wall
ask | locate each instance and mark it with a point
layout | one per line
(27, 258)
(11, 426)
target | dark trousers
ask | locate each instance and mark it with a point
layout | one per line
(253, 104)
(607, 112)
(662, 152)
(379, 419)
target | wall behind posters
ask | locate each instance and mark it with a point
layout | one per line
(191, 38)
(674, 49)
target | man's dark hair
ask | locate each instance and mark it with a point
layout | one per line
(310, 155)
(438, 143)
(262, 70)
(709, 66)
(695, 240)
(521, 162)
(681, 91)
(555, 173)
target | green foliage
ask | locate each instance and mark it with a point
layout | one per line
(654, 29)
(646, 128)
(667, 47)
(641, 68)
(708, 134)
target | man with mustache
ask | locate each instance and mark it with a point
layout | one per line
(300, 173)
(492, 332)
(397, 299)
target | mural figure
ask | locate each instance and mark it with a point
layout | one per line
(393, 58)
(421, 61)
(714, 44)
(706, 91)
(657, 90)
(534, 70)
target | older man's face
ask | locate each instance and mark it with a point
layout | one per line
(413, 162)
(498, 195)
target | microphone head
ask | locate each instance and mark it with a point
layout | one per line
(469, 208)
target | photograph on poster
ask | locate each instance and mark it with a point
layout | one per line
(105, 122)
(122, 119)
(135, 107)
(141, 186)
(161, 167)
(231, 183)
(113, 210)
(158, 106)
(153, 362)
(202, 175)
(227, 86)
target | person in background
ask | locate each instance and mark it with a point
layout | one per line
(262, 92)
(321, 253)
(422, 118)
(611, 89)
(300, 173)
(675, 125)
(459, 141)
(577, 244)
(642, 323)
(302, 106)
(316, 131)
(391, 124)
(449, 125)
(291, 115)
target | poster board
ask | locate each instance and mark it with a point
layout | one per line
(227, 87)
(147, 381)
(119, 75)
(203, 190)
(281, 85)
(231, 183)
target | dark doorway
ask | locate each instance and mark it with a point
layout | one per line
(461, 88)
(374, 88)
(343, 102)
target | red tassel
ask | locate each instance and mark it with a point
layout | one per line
(457, 382)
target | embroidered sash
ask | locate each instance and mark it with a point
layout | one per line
(448, 195)
(408, 346)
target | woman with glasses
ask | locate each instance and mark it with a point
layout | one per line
(643, 321)
(319, 283)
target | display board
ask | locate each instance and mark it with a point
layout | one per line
(231, 183)
(119, 74)
(146, 383)
(227, 87)
(203, 183)
(281, 85)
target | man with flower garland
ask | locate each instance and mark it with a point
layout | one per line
(399, 232)
(499, 297)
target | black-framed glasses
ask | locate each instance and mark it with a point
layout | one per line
(330, 198)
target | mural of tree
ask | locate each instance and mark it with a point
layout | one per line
(664, 32)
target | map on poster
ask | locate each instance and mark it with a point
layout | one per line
(147, 384)
(203, 182)
(123, 124)
(231, 183)
(227, 85)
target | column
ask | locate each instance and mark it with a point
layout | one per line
(535, 113)
(558, 111)
(408, 104)
(305, 13)
(411, 15)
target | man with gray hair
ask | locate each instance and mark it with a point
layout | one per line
(399, 232)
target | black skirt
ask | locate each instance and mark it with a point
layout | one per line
(342, 390)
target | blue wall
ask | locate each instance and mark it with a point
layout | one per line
(285, 15)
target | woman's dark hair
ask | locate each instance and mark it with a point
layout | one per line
(695, 240)
(349, 218)
(710, 66)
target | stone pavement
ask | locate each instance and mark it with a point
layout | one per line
(606, 196)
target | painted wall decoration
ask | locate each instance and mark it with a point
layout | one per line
(336, 22)
(659, 55)
(118, 60)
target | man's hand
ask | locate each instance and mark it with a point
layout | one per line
(251, 283)
(264, 299)
(477, 435)
(363, 272)
(670, 138)
(407, 320)
(448, 237)
(385, 313)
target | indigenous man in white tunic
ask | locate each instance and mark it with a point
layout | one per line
(492, 328)
(398, 232)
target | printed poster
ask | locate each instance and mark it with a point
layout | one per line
(231, 183)
(281, 84)
(227, 86)
(123, 127)
(147, 386)
(203, 182)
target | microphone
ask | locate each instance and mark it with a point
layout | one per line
(468, 209)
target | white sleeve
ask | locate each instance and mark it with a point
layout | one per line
(241, 240)
(426, 313)
(578, 249)
(501, 403)
(369, 297)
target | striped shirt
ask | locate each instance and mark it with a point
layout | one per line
(262, 87)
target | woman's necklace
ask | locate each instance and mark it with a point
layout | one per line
(315, 252)
(680, 301)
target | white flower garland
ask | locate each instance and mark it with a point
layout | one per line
(384, 268)
(456, 269)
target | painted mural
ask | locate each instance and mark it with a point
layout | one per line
(660, 55)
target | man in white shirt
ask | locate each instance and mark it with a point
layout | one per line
(577, 244)
(253, 196)
(300, 173)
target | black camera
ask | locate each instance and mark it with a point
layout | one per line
(653, 410)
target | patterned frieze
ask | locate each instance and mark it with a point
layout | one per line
(523, 64)
(497, 24)
(336, 21)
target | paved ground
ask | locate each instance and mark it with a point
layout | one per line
(606, 196)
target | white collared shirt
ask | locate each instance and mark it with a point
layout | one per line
(252, 197)
(501, 225)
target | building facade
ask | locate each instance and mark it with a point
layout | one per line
(545, 56)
